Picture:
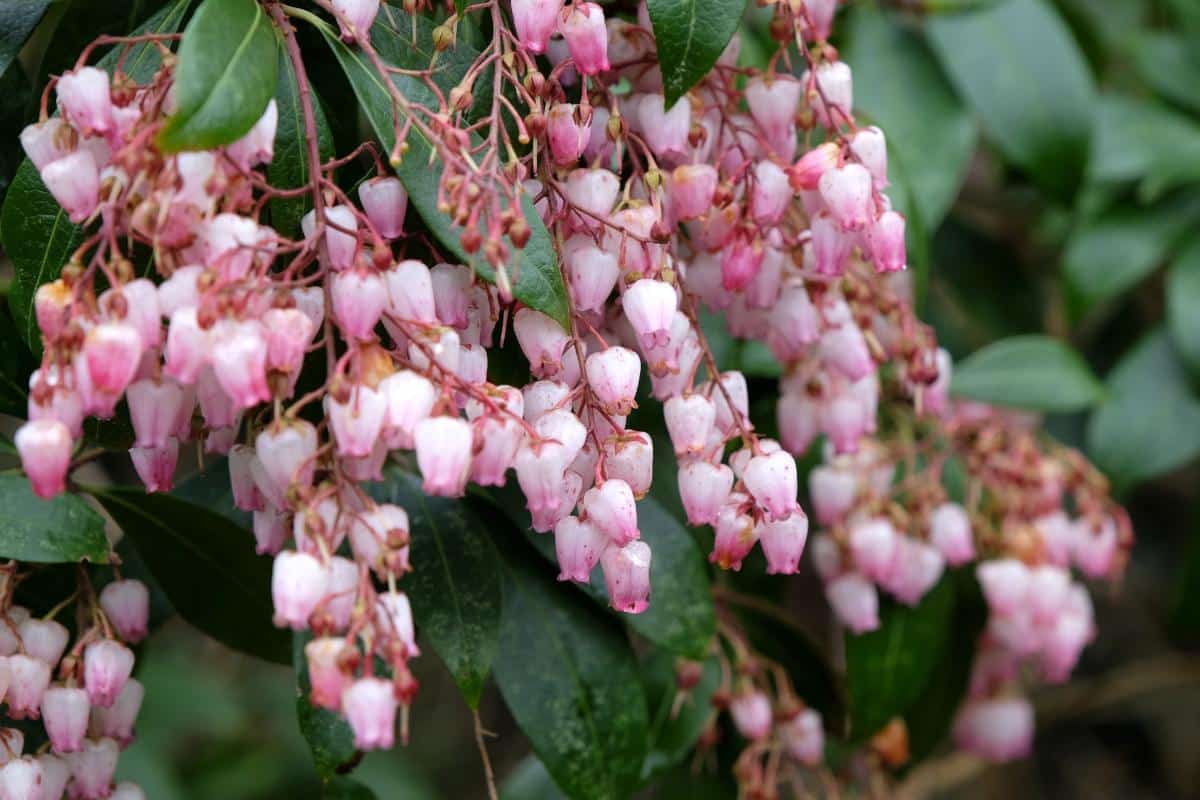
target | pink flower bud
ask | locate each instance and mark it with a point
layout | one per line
(875, 547)
(613, 376)
(740, 262)
(92, 769)
(1005, 583)
(577, 545)
(215, 405)
(999, 729)
(804, 737)
(450, 293)
(591, 273)
(770, 194)
(286, 452)
(566, 133)
(806, 173)
(650, 308)
(45, 449)
(885, 239)
(535, 21)
(847, 193)
(587, 37)
(394, 620)
(370, 707)
(611, 507)
(444, 455)
(239, 361)
(845, 420)
(86, 102)
(854, 601)
(542, 341)
(357, 423)
(21, 779)
(385, 202)
(735, 535)
(870, 147)
(1094, 548)
(116, 721)
(751, 712)
(540, 467)
(355, 18)
(112, 351)
(771, 480)
(65, 715)
(325, 674)
(917, 569)
(45, 640)
(127, 605)
(359, 298)
(831, 245)
(270, 531)
(627, 575)
(30, 677)
(630, 457)
(704, 488)
(51, 303)
(950, 533)
(845, 349)
(783, 543)
(410, 292)
(665, 130)
(690, 189)
(410, 398)
(593, 190)
(154, 407)
(43, 142)
(798, 417)
(298, 582)
(106, 667)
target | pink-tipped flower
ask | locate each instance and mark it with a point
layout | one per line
(690, 420)
(627, 575)
(535, 21)
(611, 507)
(885, 239)
(741, 262)
(950, 533)
(771, 480)
(29, 678)
(855, 601)
(239, 361)
(542, 340)
(783, 543)
(587, 37)
(591, 274)
(497, 439)
(325, 674)
(444, 455)
(736, 393)
(154, 407)
(358, 422)
(55, 775)
(690, 188)
(341, 592)
(770, 194)
(875, 547)
(650, 308)
(847, 194)
(355, 18)
(410, 292)
(804, 737)
(704, 489)
(86, 100)
(116, 721)
(44, 639)
(112, 351)
(798, 417)
(832, 99)
(359, 299)
(257, 146)
(735, 535)
(289, 333)
(188, 346)
(844, 348)
(22, 779)
(51, 302)
(106, 667)
(751, 711)
(298, 583)
(341, 234)
(92, 769)
(74, 181)
(370, 707)
(773, 101)
(806, 173)
(1094, 547)
(613, 376)
(270, 531)
(45, 450)
(999, 729)
(127, 605)
(451, 295)
(1005, 583)
(831, 245)
(65, 715)
(665, 130)
(917, 569)
(566, 133)
(630, 457)
(870, 147)
(577, 545)
(385, 202)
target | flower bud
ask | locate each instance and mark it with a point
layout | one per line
(357, 422)
(577, 545)
(627, 575)
(355, 18)
(410, 292)
(690, 189)
(566, 134)
(298, 582)
(783, 543)
(112, 352)
(854, 601)
(45, 449)
(751, 712)
(92, 769)
(126, 603)
(805, 174)
(116, 721)
(771, 480)
(535, 21)
(385, 202)
(30, 677)
(86, 100)
(65, 715)
(21, 779)
(804, 737)
(444, 455)
(587, 37)
(106, 667)
(950, 533)
(370, 707)
(999, 729)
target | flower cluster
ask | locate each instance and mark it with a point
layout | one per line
(83, 694)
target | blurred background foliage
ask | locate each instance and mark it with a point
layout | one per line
(1047, 155)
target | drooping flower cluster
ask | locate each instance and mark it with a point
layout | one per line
(81, 692)
(755, 195)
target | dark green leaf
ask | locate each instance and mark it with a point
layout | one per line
(1150, 423)
(1183, 304)
(48, 531)
(530, 781)
(1034, 372)
(16, 365)
(328, 734)
(207, 566)
(899, 86)
(346, 789)
(1169, 63)
(16, 94)
(888, 669)
(454, 587)
(538, 283)
(690, 36)
(227, 73)
(17, 21)
(569, 678)
(1018, 66)
(289, 167)
(1140, 139)
(674, 729)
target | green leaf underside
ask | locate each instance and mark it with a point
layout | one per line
(289, 167)
(63, 529)
(207, 566)
(454, 587)
(227, 73)
(1034, 372)
(327, 733)
(690, 36)
(569, 678)
(539, 282)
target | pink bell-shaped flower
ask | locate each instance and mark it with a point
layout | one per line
(566, 133)
(358, 422)
(359, 299)
(46, 141)
(286, 452)
(29, 678)
(770, 194)
(771, 480)
(298, 583)
(385, 202)
(587, 37)
(999, 729)
(22, 779)
(535, 21)
(885, 239)
(370, 707)
(591, 273)
(950, 533)
(325, 674)
(613, 375)
(804, 737)
(126, 603)
(410, 292)
(289, 333)
(239, 361)
(65, 715)
(154, 408)
(355, 18)
(155, 466)
(45, 449)
(650, 308)
(44, 639)
(116, 721)
(257, 145)
(855, 601)
(542, 340)
(394, 620)
(874, 545)
(444, 455)
(627, 575)
(611, 507)
(578, 545)
(704, 488)
(751, 712)
(106, 667)
(86, 100)
(630, 457)
(74, 181)
(410, 399)
(783, 543)
(847, 194)
(690, 420)
(92, 769)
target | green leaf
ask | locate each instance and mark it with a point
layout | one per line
(690, 36)
(1183, 300)
(530, 781)
(1140, 139)
(1150, 423)
(206, 565)
(888, 669)
(346, 789)
(900, 87)
(227, 73)
(454, 587)
(17, 21)
(327, 733)
(1114, 253)
(675, 729)
(142, 60)
(570, 680)
(1168, 62)
(1033, 371)
(64, 529)
(539, 282)
(1017, 65)
(289, 168)
(16, 365)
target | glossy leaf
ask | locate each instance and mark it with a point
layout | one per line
(570, 680)
(64, 529)
(17, 21)
(1017, 65)
(207, 566)
(674, 729)
(1183, 300)
(1034, 372)
(899, 86)
(539, 283)
(530, 781)
(454, 587)
(16, 365)
(327, 733)
(888, 669)
(226, 75)
(289, 168)
(690, 36)
(1150, 423)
